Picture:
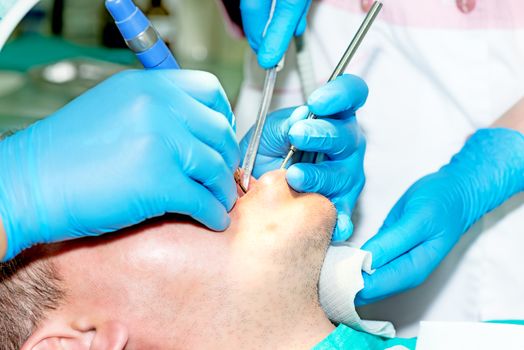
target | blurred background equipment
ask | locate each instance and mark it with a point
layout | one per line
(64, 47)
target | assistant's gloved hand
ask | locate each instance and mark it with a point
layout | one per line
(138, 145)
(289, 19)
(340, 177)
(433, 214)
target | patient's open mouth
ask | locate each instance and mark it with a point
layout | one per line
(238, 180)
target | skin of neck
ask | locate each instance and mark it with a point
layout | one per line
(253, 305)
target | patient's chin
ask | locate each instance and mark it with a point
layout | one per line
(273, 215)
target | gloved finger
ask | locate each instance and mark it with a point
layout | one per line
(344, 227)
(302, 24)
(202, 86)
(346, 93)
(329, 178)
(345, 205)
(393, 241)
(361, 298)
(280, 31)
(255, 14)
(407, 271)
(212, 129)
(336, 138)
(195, 200)
(275, 136)
(205, 165)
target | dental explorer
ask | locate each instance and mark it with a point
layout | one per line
(344, 61)
(254, 142)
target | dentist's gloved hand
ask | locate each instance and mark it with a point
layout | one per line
(138, 145)
(340, 177)
(289, 19)
(432, 215)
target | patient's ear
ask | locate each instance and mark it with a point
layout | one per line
(80, 335)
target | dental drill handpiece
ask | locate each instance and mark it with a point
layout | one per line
(142, 38)
(344, 61)
(269, 87)
(140, 35)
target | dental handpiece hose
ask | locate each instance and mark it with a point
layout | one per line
(140, 35)
(344, 61)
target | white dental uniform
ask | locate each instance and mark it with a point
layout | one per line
(437, 71)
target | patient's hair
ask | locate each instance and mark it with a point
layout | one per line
(29, 288)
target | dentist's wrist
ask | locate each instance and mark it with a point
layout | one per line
(489, 170)
(17, 213)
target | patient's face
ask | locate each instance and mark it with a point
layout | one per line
(178, 278)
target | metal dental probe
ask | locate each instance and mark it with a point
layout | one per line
(306, 73)
(344, 61)
(254, 142)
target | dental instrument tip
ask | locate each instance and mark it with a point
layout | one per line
(286, 160)
(238, 175)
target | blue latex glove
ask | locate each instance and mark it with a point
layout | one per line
(433, 214)
(340, 177)
(138, 145)
(288, 19)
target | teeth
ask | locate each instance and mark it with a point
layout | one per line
(238, 179)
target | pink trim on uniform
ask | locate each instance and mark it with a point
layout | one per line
(439, 14)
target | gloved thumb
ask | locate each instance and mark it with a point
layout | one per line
(396, 238)
(344, 228)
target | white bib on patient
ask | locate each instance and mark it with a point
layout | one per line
(340, 281)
